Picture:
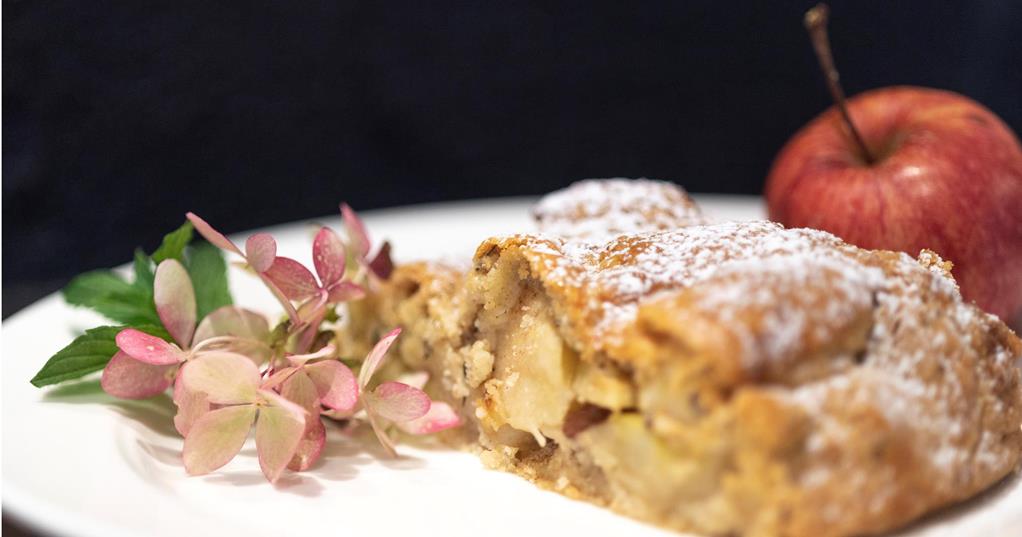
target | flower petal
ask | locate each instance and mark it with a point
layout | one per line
(190, 407)
(260, 250)
(356, 231)
(216, 438)
(311, 445)
(279, 295)
(335, 384)
(300, 359)
(175, 300)
(311, 314)
(149, 349)
(375, 357)
(382, 265)
(128, 378)
(232, 321)
(440, 416)
(212, 235)
(226, 378)
(251, 329)
(398, 402)
(179, 387)
(277, 378)
(345, 291)
(328, 256)
(292, 278)
(299, 389)
(279, 429)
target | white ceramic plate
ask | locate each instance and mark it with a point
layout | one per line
(77, 462)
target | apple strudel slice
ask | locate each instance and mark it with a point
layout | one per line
(728, 379)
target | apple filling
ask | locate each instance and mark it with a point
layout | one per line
(530, 379)
(527, 380)
(565, 422)
(532, 372)
(575, 426)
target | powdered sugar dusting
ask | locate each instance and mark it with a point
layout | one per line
(618, 274)
(926, 379)
(601, 208)
(778, 305)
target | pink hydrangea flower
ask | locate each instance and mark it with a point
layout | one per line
(380, 264)
(232, 382)
(408, 407)
(440, 416)
(315, 381)
(146, 365)
(290, 281)
(298, 283)
(260, 252)
(214, 366)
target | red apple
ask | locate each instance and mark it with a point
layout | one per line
(937, 171)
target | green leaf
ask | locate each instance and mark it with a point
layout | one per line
(144, 271)
(208, 270)
(88, 353)
(116, 299)
(85, 289)
(173, 245)
(130, 309)
(111, 296)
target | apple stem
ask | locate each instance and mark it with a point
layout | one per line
(816, 24)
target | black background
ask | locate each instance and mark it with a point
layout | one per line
(120, 116)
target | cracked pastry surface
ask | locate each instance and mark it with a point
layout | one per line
(726, 379)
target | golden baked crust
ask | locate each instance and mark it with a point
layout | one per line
(735, 378)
